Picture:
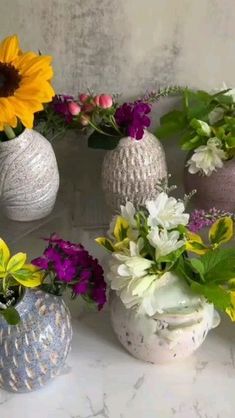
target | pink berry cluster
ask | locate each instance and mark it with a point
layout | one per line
(87, 104)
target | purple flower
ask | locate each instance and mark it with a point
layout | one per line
(65, 270)
(200, 218)
(60, 105)
(132, 117)
(71, 264)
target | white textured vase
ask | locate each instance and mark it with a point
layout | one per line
(132, 171)
(165, 337)
(29, 177)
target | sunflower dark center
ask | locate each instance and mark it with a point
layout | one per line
(9, 79)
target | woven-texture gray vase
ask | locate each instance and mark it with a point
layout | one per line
(216, 190)
(132, 171)
(29, 177)
(34, 351)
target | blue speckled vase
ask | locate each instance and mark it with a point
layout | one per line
(34, 351)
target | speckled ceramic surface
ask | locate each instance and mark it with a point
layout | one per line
(217, 190)
(29, 177)
(34, 351)
(132, 170)
(164, 337)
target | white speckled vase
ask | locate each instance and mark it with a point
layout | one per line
(29, 177)
(165, 337)
(132, 170)
(33, 352)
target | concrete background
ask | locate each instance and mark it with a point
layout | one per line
(128, 46)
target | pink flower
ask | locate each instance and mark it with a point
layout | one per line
(83, 97)
(74, 108)
(104, 100)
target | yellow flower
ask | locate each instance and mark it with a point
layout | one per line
(24, 83)
(15, 268)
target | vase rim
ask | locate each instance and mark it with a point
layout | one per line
(12, 142)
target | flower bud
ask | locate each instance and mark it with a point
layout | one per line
(84, 120)
(83, 97)
(74, 108)
(105, 101)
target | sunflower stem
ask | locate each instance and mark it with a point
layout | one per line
(9, 132)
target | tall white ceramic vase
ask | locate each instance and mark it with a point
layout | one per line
(29, 177)
(132, 170)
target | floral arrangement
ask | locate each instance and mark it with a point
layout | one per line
(205, 126)
(24, 87)
(105, 119)
(101, 116)
(153, 248)
(63, 265)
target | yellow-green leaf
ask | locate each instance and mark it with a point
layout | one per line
(195, 244)
(4, 255)
(121, 228)
(106, 243)
(221, 230)
(29, 276)
(121, 245)
(231, 310)
(16, 262)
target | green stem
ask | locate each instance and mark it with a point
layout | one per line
(98, 130)
(113, 123)
(9, 132)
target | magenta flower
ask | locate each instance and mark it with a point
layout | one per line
(132, 117)
(69, 265)
(60, 104)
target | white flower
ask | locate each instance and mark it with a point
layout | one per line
(166, 212)
(207, 158)
(128, 212)
(164, 241)
(129, 277)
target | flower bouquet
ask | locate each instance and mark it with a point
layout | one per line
(205, 126)
(35, 324)
(29, 173)
(165, 281)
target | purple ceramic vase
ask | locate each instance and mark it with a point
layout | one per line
(217, 190)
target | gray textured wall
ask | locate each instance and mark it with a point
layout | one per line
(128, 45)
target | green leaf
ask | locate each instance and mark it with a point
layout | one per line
(169, 129)
(193, 143)
(216, 115)
(100, 141)
(197, 265)
(202, 128)
(230, 141)
(11, 316)
(224, 99)
(214, 294)
(175, 116)
(219, 265)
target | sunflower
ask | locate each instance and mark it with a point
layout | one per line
(24, 84)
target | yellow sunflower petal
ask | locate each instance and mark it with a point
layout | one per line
(9, 49)
(23, 112)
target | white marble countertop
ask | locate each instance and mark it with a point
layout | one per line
(102, 380)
